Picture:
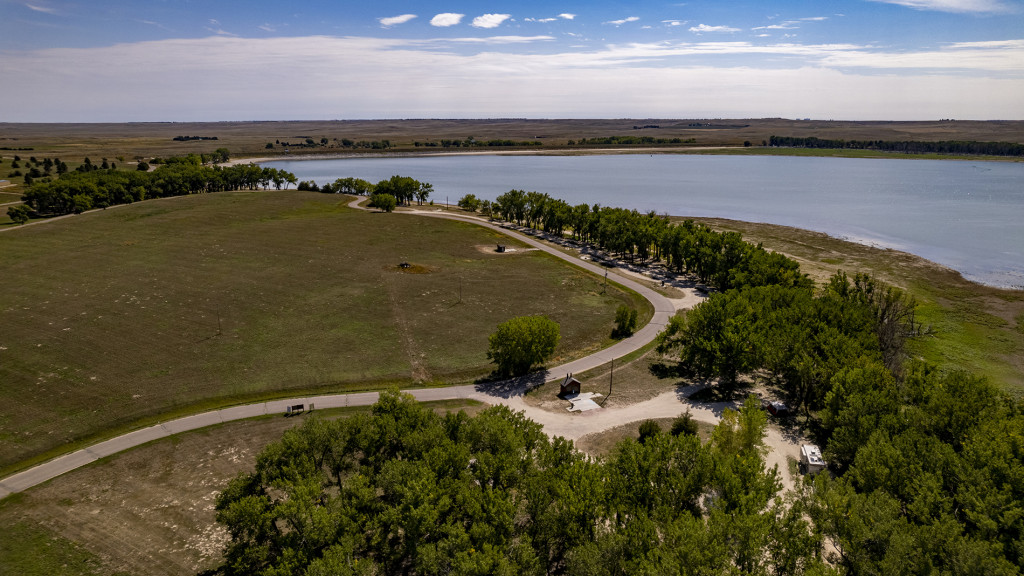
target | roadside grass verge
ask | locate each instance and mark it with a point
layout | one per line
(122, 317)
(146, 511)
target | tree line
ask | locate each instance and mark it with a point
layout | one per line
(402, 189)
(721, 259)
(907, 146)
(75, 192)
(471, 142)
(629, 140)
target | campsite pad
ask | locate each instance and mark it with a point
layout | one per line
(583, 402)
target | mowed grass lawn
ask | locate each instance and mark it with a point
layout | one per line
(118, 317)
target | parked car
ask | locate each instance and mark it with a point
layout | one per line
(776, 408)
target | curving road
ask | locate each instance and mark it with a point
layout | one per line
(508, 392)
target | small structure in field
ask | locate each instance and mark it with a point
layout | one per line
(570, 386)
(501, 249)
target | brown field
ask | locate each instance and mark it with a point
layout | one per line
(74, 141)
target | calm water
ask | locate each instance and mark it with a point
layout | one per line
(966, 215)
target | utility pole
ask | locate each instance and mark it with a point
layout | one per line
(610, 382)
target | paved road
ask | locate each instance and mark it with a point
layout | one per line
(508, 392)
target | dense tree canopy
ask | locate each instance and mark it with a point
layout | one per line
(404, 491)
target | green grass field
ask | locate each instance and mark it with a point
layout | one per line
(117, 318)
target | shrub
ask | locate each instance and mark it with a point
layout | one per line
(625, 322)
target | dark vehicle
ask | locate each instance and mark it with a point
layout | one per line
(778, 409)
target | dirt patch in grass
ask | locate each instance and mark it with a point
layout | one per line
(601, 444)
(148, 511)
(410, 268)
(115, 316)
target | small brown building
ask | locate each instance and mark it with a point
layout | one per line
(570, 386)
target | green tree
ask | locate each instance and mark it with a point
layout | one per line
(469, 202)
(19, 214)
(521, 342)
(385, 202)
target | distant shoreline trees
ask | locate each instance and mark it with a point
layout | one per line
(907, 146)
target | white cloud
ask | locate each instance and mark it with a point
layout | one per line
(952, 5)
(446, 19)
(541, 20)
(705, 28)
(567, 16)
(406, 78)
(490, 20)
(623, 21)
(395, 20)
(266, 28)
(815, 18)
(672, 22)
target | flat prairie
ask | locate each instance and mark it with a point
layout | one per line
(119, 317)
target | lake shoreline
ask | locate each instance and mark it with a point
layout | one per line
(754, 151)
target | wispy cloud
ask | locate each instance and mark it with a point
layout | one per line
(784, 26)
(43, 9)
(673, 22)
(215, 28)
(266, 28)
(623, 21)
(446, 19)
(500, 39)
(567, 16)
(490, 20)
(982, 6)
(702, 28)
(395, 20)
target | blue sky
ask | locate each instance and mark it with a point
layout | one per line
(185, 60)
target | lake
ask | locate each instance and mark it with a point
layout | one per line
(962, 214)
